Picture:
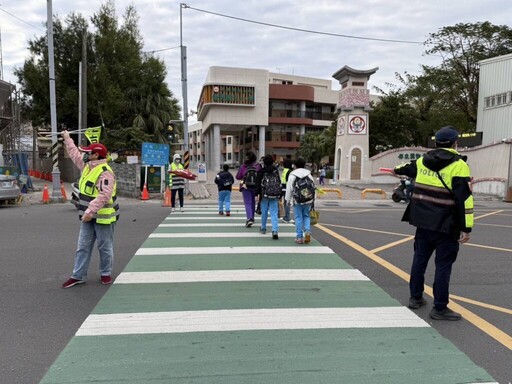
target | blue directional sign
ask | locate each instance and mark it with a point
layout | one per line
(155, 154)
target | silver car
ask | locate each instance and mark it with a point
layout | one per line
(9, 190)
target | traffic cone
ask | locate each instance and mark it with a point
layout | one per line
(145, 194)
(46, 195)
(63, 192)
(167, 198)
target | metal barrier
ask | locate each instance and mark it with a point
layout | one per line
(335, 190)
(369, 190)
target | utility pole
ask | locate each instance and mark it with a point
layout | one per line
(56, 192)
(83, 90)
(186, 155)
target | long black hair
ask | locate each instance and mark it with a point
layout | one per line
(250, 157)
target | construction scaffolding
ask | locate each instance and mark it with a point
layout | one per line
(10, 127)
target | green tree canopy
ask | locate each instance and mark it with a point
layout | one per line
(446, 94)
(126, 87)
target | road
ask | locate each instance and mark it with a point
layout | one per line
(38, 242)
(37, 246)
(373, 239)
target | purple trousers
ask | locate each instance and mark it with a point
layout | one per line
(249, 202)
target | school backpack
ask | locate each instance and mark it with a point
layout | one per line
(303, 190)
(225, 179)
(250, 177)
(271, 185)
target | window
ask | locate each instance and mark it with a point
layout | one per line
(229, 140)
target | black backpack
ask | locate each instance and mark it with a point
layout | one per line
(303, 190)
(250, 177)
(271, 185)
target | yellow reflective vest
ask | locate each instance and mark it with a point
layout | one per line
(443, 207)
(89, 191)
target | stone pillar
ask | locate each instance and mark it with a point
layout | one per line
(261, 146)
(216, 148)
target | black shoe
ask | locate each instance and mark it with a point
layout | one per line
(416, 303)
(445, 314)
(275, 236)
(250, 222)
(263, 230)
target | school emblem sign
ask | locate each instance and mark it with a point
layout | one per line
(357, 125)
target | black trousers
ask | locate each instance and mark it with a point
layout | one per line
(446, 247)
(173, 197)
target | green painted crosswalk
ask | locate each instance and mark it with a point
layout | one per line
(207, 300)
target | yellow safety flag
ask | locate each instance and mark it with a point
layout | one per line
(93, 134)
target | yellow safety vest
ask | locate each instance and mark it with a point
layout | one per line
(286, 171)
(109, 213)
(429, 189)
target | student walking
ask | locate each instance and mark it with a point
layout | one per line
(269, 192)
(224, 181)
(247, 174)
(287, 168)
(300, 189)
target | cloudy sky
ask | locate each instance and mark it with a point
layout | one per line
(214, 40)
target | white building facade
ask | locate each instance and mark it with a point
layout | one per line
(243, 109)
(494, 118)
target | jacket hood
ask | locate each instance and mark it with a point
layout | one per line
(301, 172)
(440, 158)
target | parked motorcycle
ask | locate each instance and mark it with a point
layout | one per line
(403, 190)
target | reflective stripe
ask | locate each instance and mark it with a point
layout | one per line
(435, 200)
(432, 188)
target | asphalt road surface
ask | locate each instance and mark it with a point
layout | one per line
(37, 245)
(372, 238)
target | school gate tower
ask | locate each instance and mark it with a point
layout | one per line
(351, 161)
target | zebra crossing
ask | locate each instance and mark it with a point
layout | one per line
(207, 300)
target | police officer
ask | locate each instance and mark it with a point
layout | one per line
(441, 209)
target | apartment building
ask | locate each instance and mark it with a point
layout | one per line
(242, 109)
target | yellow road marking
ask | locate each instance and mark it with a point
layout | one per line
(496, 333)
(488, 214)
(496, 225)
(391, 245)
(483, 305)
(366, 229)
(489, 247)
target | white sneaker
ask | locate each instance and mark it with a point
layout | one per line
(182, 210)
(173, 209)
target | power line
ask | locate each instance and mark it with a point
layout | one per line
(163, 49)
(23, 21)
(302, 30)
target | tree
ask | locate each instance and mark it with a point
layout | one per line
(461, 48)
(393, 123)
(126, 87)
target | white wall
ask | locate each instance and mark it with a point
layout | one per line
(489, 166)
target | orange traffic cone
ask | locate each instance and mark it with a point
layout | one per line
(145, 194)
(63, 192)
(46, 195)
(167, 198)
